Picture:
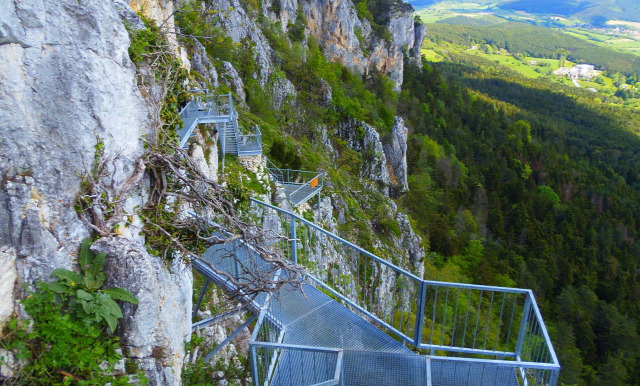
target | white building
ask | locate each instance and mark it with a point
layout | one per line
(582, 71)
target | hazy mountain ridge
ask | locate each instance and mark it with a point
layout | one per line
(594, 10)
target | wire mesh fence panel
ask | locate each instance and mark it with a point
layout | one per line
(295, 365)
(483, 321)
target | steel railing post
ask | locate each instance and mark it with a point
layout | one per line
(554, 377)
(294, 241)
(420, 315)
(319, 206)
(195, 310)
(523, 327)
(254, 366)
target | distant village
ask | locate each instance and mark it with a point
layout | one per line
(581, 71)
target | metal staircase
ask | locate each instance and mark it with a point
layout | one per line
(300, 185)
(231, 137)
(219, 109)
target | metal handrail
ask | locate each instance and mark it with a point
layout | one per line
(271, 355)
(288, 176)
(336, 237)
(319, 184)
(512, 326)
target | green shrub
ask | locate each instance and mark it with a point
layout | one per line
(67, 341)
(144, 41)
(285, 156)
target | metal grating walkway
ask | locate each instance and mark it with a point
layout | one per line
(371, 357)
(299, 194)
(311, 339)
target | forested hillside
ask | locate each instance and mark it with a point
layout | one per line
(594, 10)
(526, 181)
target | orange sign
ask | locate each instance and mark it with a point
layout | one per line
(314, 182)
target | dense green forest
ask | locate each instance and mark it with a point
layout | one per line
(547, 178)
(548, 43)
(513, 181)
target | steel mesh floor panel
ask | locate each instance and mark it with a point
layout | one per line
(383, 369)
(371, 356)
(290, 304)
(333, 325)
(448, 373)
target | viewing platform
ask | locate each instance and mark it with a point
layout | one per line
(299, 185)
(364, 321)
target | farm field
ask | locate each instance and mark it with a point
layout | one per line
(618, 43)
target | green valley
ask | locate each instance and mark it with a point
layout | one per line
(551, 56)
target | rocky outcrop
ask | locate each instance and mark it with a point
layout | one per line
(239, 26)
(352, 41)
(410, 243)
(283, 91)
(288, 13)
(407, 34)
(420, 33)
(201, 63)
(232, 78)
(395, 149)
(366, 140)
(153, 331)
(334, 23)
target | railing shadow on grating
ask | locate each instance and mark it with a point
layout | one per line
(461, 324)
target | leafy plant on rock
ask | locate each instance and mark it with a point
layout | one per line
(88, 301)
(66, 341)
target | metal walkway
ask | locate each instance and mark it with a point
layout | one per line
(349, 329)
(219, 109)
(359, 312)
(299, 185)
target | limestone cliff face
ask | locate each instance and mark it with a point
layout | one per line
(364, 138)
(336, 25)
(66, 80)
(239, 25)
(395, 148)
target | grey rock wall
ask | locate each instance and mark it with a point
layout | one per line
(201, 63)
(66, 79)
(335, 23)
(239, 25)
(395, 149)
(365, 139)
(153, 331)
